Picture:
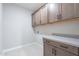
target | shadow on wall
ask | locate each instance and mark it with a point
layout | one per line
(69, 28)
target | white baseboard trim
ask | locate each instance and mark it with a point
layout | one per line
(17, 47)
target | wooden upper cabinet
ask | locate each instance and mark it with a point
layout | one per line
(76, 9)
(54, 12)
(44, 19)
(33, 20)
(67, 10)
(38, 17)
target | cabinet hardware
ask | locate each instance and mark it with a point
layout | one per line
(64, 46)
(54, 51)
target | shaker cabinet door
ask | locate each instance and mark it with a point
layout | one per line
(60, 52)
(44, 19)
(76, 9)
(33, 20)
(38, 17)
(49, 50)
(67, 10)
(54, 12)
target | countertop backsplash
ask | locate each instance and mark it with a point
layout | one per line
(67, 35)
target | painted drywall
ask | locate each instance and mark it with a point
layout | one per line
(70, 28)
(39, 39)
(64, 27)
(0, 28)
(17, 27)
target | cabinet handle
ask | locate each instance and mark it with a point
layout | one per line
(54, 51)
(48, 41)
(64, 46)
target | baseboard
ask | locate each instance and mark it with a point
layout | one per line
(17, 47)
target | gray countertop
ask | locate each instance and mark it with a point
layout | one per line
(66, 40)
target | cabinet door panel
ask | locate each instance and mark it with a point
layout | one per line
(38, 17)
(76, 9)
(49, 50)
(44, 15)
(67, 10)
(33, 20)
(54, 10)
(60, 52)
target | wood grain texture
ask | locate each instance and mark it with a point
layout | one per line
(70, 50)
(67, 10)
(44, 15)
(53, 11)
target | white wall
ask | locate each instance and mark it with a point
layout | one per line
(64, 27)
(17, 29)
(0, 27)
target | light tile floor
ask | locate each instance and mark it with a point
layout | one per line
(31, 50)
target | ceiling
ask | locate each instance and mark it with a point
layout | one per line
(31, 6)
